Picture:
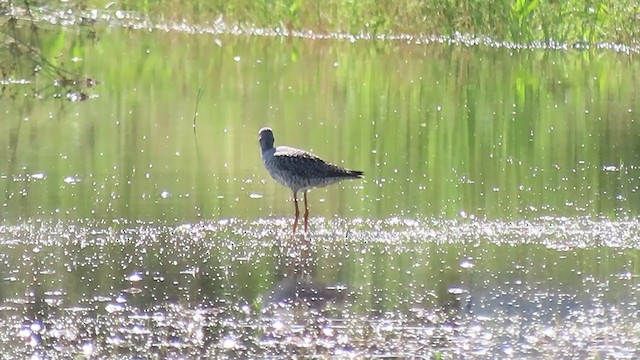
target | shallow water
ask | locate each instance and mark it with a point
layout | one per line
(554, 287)
(497, 218)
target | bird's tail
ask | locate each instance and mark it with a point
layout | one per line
(356, 173)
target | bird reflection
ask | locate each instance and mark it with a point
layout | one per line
(297, 284)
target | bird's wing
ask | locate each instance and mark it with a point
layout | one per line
(306, 164)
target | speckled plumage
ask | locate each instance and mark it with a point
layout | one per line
(299, 170)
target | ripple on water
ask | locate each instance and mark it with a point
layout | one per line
(546, 287)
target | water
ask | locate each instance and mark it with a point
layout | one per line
(561, 287)
(497, 218)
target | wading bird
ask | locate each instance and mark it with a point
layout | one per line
(299, 170)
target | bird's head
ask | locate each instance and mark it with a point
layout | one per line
(266, 138)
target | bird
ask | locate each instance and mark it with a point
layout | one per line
(299, 170)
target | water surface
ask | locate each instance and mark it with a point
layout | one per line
(497, 218)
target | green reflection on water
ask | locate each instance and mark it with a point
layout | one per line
(438, 130)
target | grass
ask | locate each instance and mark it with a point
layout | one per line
(514, 21)
(517, 21)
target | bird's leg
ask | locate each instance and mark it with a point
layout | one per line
(295, 222)
(306, 212)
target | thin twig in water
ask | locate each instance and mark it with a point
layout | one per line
(195, 113)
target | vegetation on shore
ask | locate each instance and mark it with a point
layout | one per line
(515, 21)
(505, 22)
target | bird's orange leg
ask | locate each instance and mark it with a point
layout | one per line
(295, 222)
(306, 212)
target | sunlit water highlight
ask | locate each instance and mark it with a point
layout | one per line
(394, 287)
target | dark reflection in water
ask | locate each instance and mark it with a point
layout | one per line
(298, 284)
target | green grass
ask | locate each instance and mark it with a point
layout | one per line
(515, 21)
(518, 21)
